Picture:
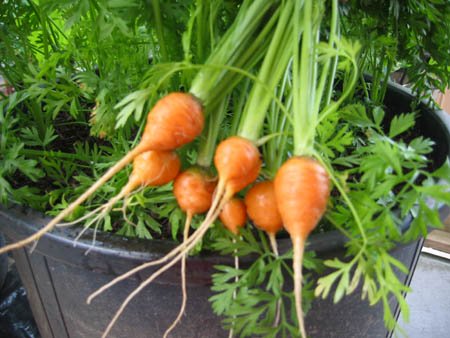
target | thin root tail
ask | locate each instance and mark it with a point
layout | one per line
(299, 246)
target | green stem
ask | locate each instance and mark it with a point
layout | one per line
(160, 30)
(239, 104)
(304, 85)
(347, 200)
(331, 108)
(233, 45)
(201, 29)
(385, 81)
(182, 66)
(326, 75)
(36, 112)
(208, 146)
(250, 57)
(267, 138)
(273, 67)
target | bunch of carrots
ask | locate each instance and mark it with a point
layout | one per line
(284, 70)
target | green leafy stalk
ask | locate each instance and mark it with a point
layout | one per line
(276, 149)
(208, 143)
(274, 66)
(234, 44)
(304, 80)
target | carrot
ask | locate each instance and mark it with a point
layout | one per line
(175, 120)
(302, 189)
(262, 209)
(234, 217)
(193, 189)
(151, 168)
(238, 162)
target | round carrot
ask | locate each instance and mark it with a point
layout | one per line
(155, 168)
(238, 163)
(262, 207)
(302, 189)
(193, 189)
(233, 215)
(175, 120)
(151, 168)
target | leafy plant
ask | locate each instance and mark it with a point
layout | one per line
(86, 72)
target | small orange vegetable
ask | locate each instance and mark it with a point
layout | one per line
(234, 215)
(193, 190)
(262, 207)
(302, 189)
(238, 163)
(175, 120)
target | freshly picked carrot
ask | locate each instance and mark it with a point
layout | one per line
(193, 190)
(151, 168)
(233, 215)
(302, 184)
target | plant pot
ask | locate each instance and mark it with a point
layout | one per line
(59, 276)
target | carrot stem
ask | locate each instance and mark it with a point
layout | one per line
(273, 67)
(208, 146)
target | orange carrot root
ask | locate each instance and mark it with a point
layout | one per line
(193, 190)
(302, 189)
(175, 120)
(238, 162)
(233, 215)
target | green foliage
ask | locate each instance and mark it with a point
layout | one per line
(86, 72)
(409, 37)
(385, 181)
(247, 298)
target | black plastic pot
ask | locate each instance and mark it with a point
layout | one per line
(59, 276)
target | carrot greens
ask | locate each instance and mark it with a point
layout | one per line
(253, 94)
